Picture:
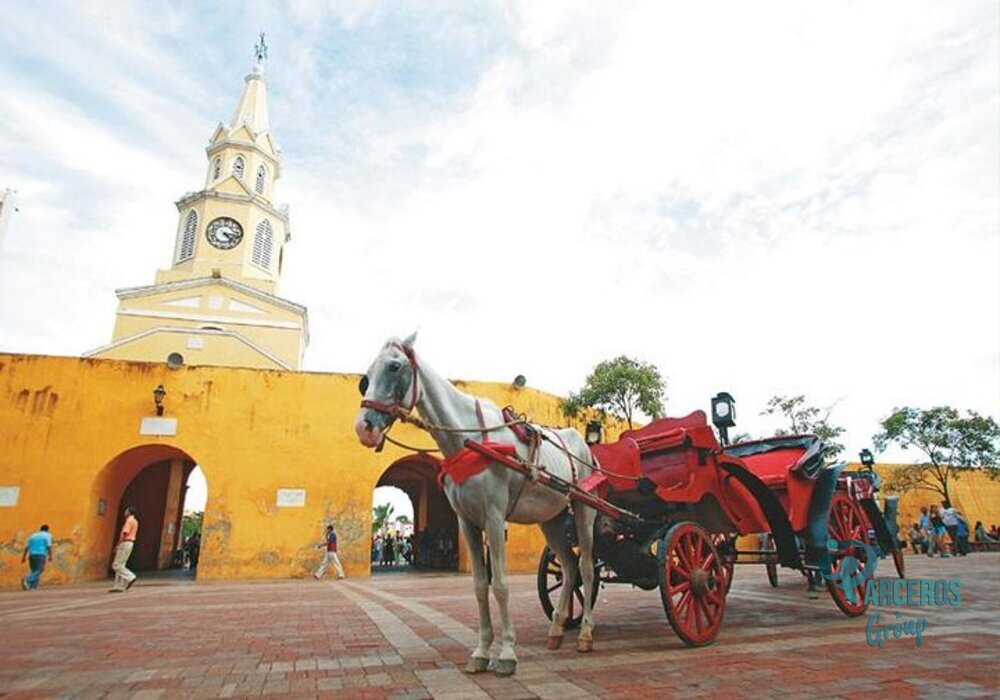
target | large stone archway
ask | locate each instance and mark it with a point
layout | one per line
(153, 480)
(434, 522)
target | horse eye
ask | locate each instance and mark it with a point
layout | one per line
(394, 366)
(363, 385)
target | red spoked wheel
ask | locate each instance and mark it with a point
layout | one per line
(847, 523)
(692, 583)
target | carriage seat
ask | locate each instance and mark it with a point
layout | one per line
(773, 459)
(619, 462)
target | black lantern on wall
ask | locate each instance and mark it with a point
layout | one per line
(158, 393)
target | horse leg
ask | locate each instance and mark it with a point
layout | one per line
(555, 538)
(507, 661)
(480, 660)
(585, 537)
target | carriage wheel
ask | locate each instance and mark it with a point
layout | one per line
(725, 546)
(692, 583)
(771, 561)
(550, 581)
(847, 522)
(897, 559)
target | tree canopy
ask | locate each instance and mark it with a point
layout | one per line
(621, 387)
(805, 419)
(951, 444)
(381, 515)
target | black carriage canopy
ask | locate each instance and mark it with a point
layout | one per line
(809, 465)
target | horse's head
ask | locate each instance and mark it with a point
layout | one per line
(390, 387)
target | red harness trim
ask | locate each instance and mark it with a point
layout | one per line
(465, 464)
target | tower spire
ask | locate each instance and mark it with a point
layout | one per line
(252, 107)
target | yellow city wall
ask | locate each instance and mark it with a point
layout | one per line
(69, 437)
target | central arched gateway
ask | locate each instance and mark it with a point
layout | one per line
(153, 479)
(435, 526)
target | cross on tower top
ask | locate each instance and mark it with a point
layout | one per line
(260, 48)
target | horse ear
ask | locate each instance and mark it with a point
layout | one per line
(410, 340)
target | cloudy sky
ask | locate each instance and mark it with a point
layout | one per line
(763, 198)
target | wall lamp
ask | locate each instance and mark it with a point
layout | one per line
(158, 393)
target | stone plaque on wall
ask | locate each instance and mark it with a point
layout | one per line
(158, 426)
(9, 496)
(291, 498)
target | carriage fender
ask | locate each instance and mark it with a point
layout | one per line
(781, 528)
(883, 532)
(819, 506)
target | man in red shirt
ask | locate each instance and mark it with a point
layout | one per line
(330, 555)
(126, 541)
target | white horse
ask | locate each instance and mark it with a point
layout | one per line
(395, 385)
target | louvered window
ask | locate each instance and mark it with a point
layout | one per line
(261, 177)
(186, 248)
(217, 169)
(263, 242)
(239, 165)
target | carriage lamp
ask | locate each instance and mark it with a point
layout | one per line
(593, 434)
(867, 458)
(723, 414)
(158, 393)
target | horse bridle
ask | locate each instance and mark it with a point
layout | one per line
(397, 407)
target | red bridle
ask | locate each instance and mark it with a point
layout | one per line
(392, 409)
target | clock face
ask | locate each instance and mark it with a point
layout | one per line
(224, 233)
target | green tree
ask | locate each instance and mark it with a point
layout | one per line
(952, 445)
(191, 523)
(380, 516)
(622, 387)
(803, 419)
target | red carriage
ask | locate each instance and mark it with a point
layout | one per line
(672, 502)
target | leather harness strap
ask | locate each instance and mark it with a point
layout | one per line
(392, 408)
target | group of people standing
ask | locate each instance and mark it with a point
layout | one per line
(938, 522)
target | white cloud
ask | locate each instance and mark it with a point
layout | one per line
(767, 199)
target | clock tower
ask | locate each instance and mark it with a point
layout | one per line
(216, 304)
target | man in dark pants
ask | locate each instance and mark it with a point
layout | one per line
(37, 551)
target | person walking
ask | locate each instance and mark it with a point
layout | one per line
(330, 555)
(126, 541)
(951, 525)
(37, 551)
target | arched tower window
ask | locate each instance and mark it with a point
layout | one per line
(239, 165)
(263, 242)
(186, 248)
(217, 169)
(261, 178)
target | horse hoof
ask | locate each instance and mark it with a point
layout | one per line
(505, 667)
(554, 642)
(477, 665)
(584, 645)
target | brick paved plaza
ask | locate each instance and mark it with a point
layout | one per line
(408, 636)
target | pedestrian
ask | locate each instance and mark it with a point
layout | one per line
(939, 530)
(37, 551)
(962, 531)
(194, 550)
(981, 535)
(918, 540)
(950, 520)
(330, 555)
(126, 541)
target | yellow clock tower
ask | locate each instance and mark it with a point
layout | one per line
(216, 303)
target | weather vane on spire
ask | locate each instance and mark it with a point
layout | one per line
(260, 48)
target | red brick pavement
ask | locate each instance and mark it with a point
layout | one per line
(406, 636)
